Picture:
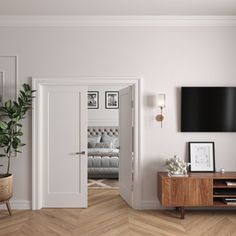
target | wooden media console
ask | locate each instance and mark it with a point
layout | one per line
(197, 190)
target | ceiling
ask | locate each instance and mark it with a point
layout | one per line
(118, 7)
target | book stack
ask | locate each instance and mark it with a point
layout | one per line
(229, 201)
(230, 183)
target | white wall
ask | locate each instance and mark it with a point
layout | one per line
(103, 116)
(166, 57)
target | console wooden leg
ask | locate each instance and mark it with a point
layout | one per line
(8, 207)
(181, 213)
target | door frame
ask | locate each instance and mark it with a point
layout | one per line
(37, 172)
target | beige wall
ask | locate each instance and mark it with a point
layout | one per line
(165, 57)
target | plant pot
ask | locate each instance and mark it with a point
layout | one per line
(6, 189)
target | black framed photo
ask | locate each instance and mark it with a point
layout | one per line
(112, 100)
(202, 156)
(93, 99)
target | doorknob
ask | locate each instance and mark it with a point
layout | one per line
(80, 153)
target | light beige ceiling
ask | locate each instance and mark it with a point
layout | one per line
(117, 7)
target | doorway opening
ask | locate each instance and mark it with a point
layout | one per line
(57, 89)
(103, 136)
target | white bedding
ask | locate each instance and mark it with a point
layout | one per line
(103, 152)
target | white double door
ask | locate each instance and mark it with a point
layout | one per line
(64, 141)
(64, 146)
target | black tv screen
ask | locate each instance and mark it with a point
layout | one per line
(208, 109)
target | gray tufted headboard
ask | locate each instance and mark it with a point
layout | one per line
(100, 130)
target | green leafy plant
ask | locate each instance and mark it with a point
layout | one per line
(12, 113)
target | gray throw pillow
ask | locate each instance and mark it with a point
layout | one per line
(91, 145)
(111, 139)
(94, 139)
(104, 145)
(116, 143)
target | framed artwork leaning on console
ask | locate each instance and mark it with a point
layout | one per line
(202, 156)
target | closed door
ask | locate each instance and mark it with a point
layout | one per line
(64, 146)
(126, 145)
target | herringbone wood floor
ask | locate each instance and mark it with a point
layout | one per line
(109, 215)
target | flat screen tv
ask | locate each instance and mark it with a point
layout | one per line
(208, 109)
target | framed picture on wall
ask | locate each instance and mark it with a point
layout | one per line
(111, 99)
(202, 156)
(93, 99)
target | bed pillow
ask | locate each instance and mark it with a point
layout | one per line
(91, 145)
(103, 152)
(116, 143)
(104, 145)
(100, 145)
(94, 139)
(110, 139)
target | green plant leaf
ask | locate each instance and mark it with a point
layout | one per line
(11, 114)
(3, 125)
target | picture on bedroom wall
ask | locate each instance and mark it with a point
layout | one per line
(202, 156)
(93, 99)
(112, 100)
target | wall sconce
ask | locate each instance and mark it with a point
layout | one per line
(160, 99)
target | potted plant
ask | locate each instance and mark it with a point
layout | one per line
(11, 114)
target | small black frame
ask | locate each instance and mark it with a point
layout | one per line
(93, 100)
(112, 100)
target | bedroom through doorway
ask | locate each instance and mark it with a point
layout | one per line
(103, 136)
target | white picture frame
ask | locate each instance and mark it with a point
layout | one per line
(202, 156)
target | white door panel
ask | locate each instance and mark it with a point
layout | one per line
(65, 134)
(126, 142)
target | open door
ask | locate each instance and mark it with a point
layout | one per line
(64, 145)
(126, 144)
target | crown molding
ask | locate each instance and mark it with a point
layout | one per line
(106, 21)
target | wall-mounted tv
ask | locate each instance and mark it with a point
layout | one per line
(208, 109)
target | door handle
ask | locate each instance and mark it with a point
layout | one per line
(80, 153)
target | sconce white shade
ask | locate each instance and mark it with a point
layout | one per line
(161, 100)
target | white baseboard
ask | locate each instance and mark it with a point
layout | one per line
(19, 204)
